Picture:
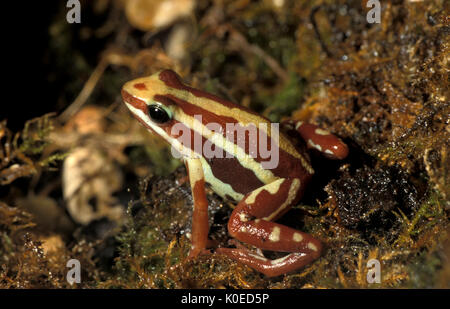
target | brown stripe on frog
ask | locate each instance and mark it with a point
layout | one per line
(135, 102)
(193, 110)
(164, 99)
(185, 135)
(230, 171)
(173, 80)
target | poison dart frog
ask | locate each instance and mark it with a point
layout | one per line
(235, 166)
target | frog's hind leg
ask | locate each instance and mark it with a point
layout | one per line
(251, 223)
(319, 139)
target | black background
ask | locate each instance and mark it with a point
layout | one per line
(289, 299)
(26, 93)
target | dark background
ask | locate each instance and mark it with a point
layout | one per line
(26, 90)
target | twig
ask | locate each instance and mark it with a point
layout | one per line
(86, 91)
(316, 30)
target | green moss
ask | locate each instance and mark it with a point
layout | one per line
(424, 270)
(285, 101)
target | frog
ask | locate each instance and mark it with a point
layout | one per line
(191, 121)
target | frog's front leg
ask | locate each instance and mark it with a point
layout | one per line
(251, 223)
(200, 225)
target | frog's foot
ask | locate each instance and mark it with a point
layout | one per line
(319, 139)
(196, 252)
(303, 247)
(270, 268)
(251, 223)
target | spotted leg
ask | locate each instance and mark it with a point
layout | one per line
(251, 222)
(200, 225)
(319, 139)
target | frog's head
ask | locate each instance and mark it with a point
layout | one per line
(146, 99)
(189, 118)
(162, 103)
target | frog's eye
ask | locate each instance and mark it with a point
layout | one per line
(159, 113)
